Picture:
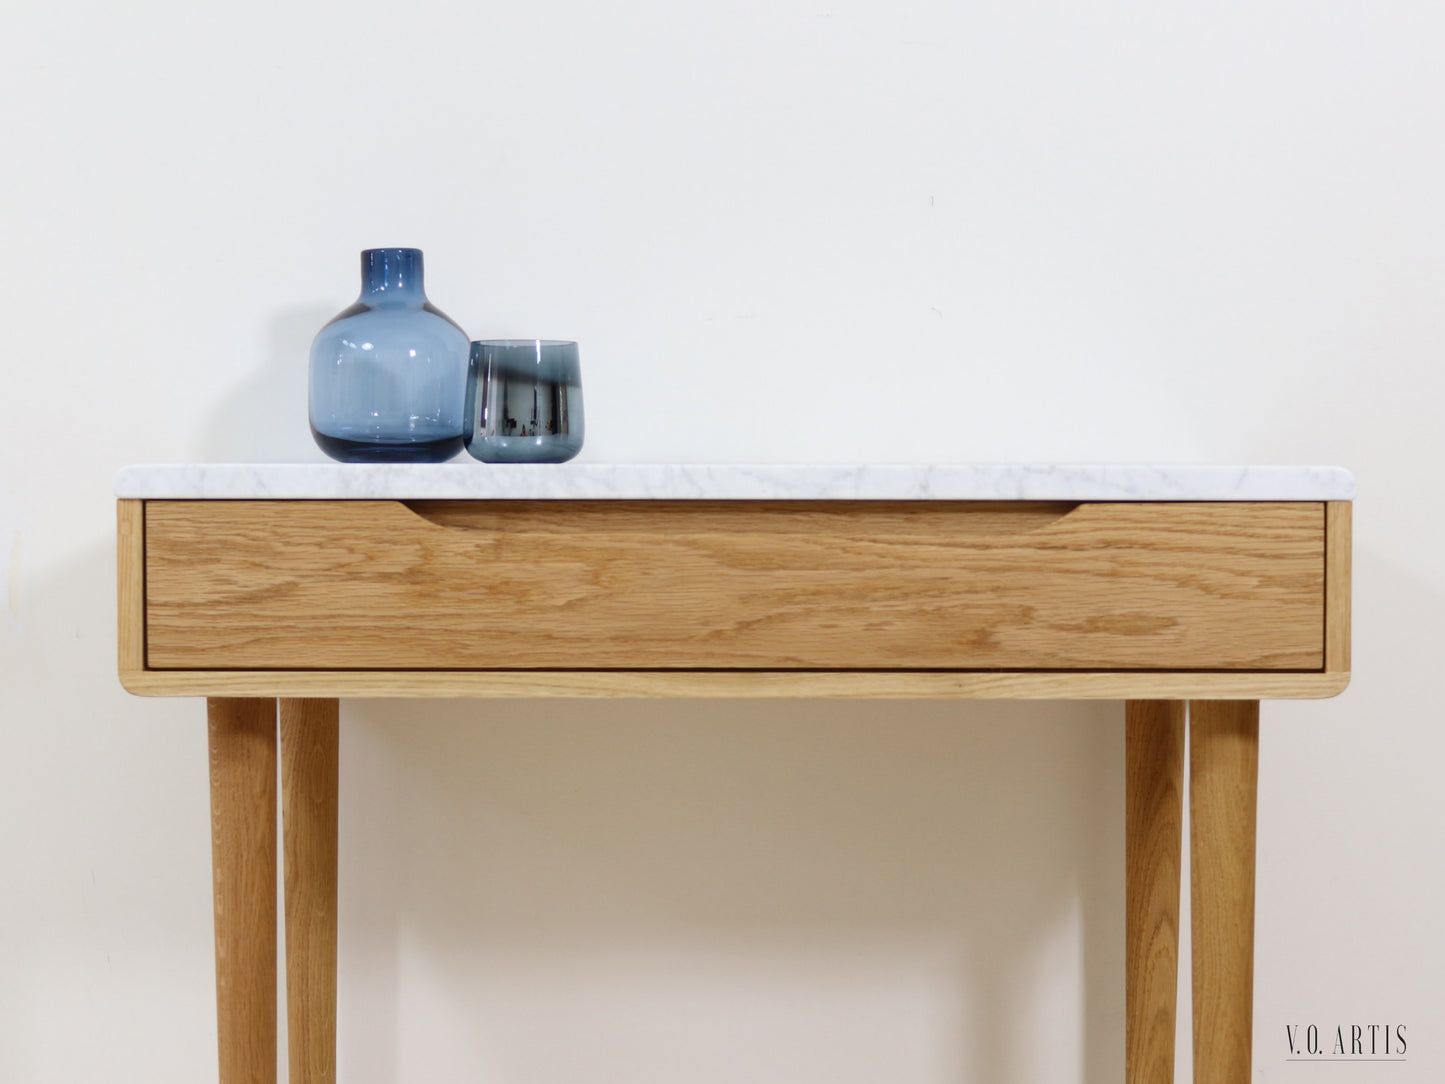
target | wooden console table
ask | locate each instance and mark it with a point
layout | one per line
(1164, 587)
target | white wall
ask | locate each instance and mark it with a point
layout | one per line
(782, 231)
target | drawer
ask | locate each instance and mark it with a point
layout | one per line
(733, 585)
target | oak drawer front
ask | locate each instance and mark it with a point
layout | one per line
(657, 585)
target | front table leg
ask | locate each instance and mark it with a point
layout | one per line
(1153, 819)
(1224, 773)
(309, 771)
(243, 863)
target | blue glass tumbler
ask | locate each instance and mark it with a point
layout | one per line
(388, 374)
(524, 401)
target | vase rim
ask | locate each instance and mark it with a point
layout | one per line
(512, 344)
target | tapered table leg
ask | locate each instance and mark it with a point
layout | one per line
(1224, 773)
(243, 863)
(1153, 819)
(309, 778)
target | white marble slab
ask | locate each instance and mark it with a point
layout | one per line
(623, 481)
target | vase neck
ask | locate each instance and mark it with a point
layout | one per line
(392, 275)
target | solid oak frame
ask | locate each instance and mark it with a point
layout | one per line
(1223, 743)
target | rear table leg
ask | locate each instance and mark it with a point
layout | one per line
(1153, 818)
(309, 780)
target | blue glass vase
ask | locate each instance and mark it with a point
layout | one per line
(388, 375)
(524, 401)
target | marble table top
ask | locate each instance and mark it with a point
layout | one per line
(642, 481)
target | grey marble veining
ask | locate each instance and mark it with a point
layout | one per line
(622, 481)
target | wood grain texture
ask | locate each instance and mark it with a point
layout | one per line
(243, 862)
(660, 585)
(1153, 826)
(748, 684)
(1223, 772)
(309, 785)
(130, 583)
(1338, 547)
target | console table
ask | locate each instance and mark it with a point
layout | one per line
(1165, 587)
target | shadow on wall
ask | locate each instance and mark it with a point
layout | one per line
(580, 878)
(263, 419)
